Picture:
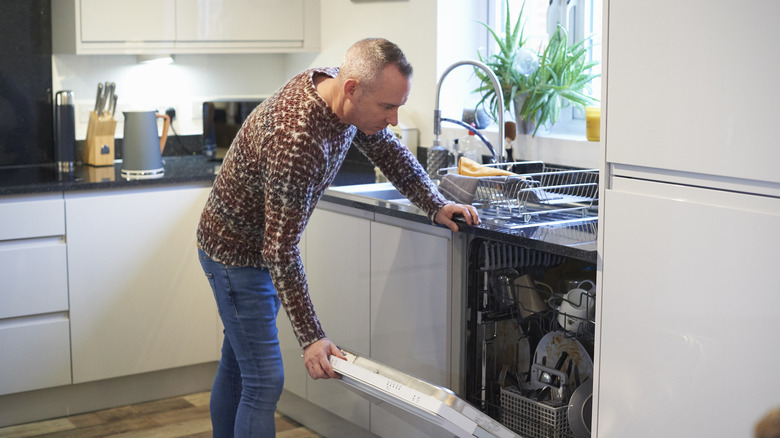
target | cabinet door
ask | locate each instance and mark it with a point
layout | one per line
(670, 81)
(34, 276)
(239, 20)
(139, 301)
(35, 353)
(688, 311)
(410, 280)
(338, 269)
(295, 373)
(127, 21)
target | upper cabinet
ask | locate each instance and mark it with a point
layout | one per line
(111, 27)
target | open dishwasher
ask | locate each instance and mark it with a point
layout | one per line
(529, 316)
(531, 301)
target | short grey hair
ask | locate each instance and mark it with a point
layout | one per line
(367, 58)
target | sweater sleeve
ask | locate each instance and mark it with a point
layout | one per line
(402, 169)
(290, 199)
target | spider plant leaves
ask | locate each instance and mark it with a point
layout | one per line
(559, 81)
(503, 64)
(562, 76)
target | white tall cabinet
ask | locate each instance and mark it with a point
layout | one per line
(690, 208)
(138, 299)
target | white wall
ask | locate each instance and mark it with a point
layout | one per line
(433, 34)
(183, 85)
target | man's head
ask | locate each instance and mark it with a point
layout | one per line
(376, 79)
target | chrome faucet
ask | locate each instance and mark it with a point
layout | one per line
(499, 104)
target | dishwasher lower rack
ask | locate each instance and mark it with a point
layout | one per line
(549, 191)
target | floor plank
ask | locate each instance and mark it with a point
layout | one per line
(179, 417)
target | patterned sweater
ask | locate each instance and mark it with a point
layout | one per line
(281, 161)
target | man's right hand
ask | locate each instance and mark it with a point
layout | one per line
(316, 358)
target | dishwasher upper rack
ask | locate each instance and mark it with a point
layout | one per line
(550, 190)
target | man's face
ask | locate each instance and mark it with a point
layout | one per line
(372, 110)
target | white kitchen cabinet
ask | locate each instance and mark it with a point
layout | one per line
(185, 26)
(116, 21)
(35, 353)
(689, 320)
(34, 331)
(139, 301)
(33, 260)
(666, 113)
(410, 286)
(381, 288)
(237, 20)
(339, 272)
(295, 374)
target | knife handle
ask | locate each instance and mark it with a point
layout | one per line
(99, 98)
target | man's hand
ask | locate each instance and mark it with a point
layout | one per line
(449, 211)
(316, 359)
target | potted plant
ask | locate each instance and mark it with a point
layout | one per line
(539, 92)
(503, 65)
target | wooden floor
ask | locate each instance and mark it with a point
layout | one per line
(186, 416)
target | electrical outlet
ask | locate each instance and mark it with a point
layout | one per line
(171, 112)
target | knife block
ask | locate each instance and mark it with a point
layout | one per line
(99, 145)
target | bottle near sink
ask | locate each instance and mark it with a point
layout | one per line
(438, 157)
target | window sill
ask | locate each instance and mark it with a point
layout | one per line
(565, 145)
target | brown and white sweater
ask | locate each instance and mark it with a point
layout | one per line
(281, 161)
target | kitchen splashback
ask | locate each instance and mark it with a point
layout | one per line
(25, 83)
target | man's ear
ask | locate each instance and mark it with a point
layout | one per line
(350, 87)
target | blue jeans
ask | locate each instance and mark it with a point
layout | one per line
(250, 376)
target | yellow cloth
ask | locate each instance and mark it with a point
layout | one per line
(470, 167)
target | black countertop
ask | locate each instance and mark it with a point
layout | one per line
(577, 240)
(22, 180)
(46, 179)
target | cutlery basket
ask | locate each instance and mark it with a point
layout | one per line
(532, 419)
(99, 144)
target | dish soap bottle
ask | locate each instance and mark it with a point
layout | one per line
(470, 147)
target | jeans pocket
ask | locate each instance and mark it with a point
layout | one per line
(213, 285)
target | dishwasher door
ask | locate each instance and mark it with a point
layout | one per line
(438, 410)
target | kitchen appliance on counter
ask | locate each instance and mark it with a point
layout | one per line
(64, 131)
(142, 147)
(221, 122)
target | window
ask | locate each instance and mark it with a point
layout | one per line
(580, 18)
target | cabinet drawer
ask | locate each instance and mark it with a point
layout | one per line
(32, 216)
(35, 277)
(35, 353)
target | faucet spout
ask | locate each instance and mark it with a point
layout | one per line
(499, 104)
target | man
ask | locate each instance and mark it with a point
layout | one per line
(281, 161)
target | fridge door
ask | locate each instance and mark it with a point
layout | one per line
(438, 409)
(688, 311)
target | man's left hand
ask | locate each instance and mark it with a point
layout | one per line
(449, 211)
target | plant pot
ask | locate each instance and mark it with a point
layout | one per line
(523, 125)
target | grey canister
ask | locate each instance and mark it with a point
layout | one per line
(142, 147)
(64, 131)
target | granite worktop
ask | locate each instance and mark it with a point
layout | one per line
(25, 180)
(575, 240)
